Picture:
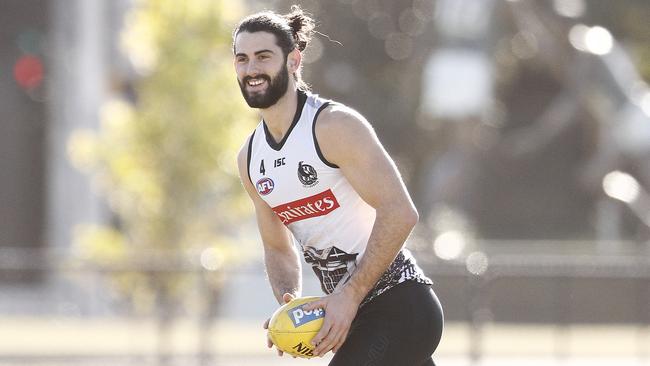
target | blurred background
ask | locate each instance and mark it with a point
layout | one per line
(522, 129)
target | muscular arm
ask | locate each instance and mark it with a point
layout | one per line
(280, 257)
(347, 140)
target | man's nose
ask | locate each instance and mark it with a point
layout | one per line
(252, 68)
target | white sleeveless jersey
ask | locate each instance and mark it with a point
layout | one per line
(327, 217)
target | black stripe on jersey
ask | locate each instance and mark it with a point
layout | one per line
(277, 146)
(313, 132)
(248, 156)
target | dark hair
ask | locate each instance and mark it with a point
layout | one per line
(292, 30)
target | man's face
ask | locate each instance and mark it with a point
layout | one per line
(261, 69)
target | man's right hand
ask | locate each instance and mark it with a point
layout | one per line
(286, 298)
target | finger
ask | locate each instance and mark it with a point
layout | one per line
(269, 342)
(287, 297)
(328, 342)
(280, 353)
(325, 346)
(317, 304)
(341, 341)
(339, 344)
(322, 333)
(337, 341)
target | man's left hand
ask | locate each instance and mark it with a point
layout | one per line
(340, 309)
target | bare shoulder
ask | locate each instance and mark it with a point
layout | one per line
(343, 134)
(242, 158)
(242, 155)
(339, 119)
(243, 150)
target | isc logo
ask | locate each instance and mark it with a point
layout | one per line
(301, 317)
(265, 186)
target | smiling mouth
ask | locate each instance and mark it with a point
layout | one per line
(255, 83)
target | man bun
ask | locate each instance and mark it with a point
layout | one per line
(301, 25)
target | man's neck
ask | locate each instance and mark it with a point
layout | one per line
(279, 116)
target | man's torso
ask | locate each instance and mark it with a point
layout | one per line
(310, 195)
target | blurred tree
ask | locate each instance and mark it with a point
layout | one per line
(166, 158)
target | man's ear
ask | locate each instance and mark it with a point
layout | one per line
(293, 60)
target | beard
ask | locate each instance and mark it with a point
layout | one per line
(276, 88)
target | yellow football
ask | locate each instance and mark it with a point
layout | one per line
(291, 328)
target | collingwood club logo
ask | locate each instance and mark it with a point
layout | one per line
(307, 175)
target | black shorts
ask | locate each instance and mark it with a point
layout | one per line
(401, 327)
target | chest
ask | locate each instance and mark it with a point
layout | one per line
(291, 174)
